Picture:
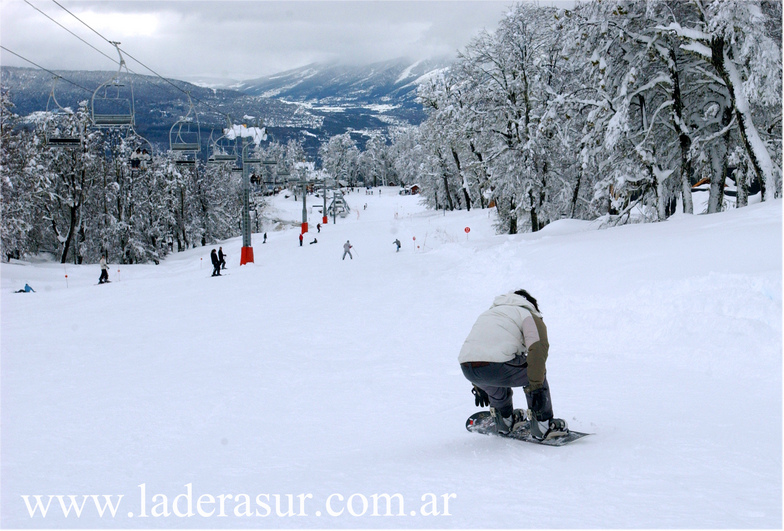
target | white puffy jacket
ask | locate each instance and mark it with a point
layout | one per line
(510, 327)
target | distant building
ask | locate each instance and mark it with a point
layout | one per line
(410, 190)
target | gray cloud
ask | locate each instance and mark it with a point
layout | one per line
(240, 39)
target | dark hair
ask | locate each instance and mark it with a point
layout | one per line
(528, 296)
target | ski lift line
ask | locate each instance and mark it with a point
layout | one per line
(69, 31)
(175, 86)
(46, 69)
(82, 21)
(138, 61)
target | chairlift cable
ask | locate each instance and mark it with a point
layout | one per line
(69, 31)
(139, 62)
(82, 21)
(46, 69)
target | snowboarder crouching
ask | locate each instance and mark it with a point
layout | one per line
(508, 347)
(215, 263)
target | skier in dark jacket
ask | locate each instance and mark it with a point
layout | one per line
(508, 347)
(215, 263)
(221, 258)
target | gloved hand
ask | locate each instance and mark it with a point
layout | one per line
(539, 405)
(481, 399)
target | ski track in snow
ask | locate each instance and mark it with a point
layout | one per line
(305, 374)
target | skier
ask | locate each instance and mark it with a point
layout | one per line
(300, 239)
(314, 241)
(26, 289)
(104, 271)
(347, 250)
(397, 242)
(507, 347)
(221, 258)
(215, 264)
(318, 227)
(265, 238)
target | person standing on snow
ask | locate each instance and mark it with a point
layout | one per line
(221, 258)
(397, 242)
(300, 239)
(507, 347)
(104, 271)
(347, 250)
(215, 264)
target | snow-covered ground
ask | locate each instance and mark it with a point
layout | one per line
(304, 391)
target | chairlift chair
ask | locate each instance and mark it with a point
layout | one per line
(185, 134)
(222, 149)
(141, 151)
(112, 102)
(52, 133)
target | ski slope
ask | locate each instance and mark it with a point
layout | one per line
(306, 391)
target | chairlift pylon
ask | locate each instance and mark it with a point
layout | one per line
(112, 103)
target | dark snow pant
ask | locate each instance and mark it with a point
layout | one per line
(104, 276)
(497, 380)
(216, 269)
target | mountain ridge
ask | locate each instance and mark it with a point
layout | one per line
(310, 103)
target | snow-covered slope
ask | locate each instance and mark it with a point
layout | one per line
(336, 83)
(336, 382)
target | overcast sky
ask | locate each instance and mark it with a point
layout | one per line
(239, 39)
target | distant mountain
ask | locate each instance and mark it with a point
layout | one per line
(390, 82)
(309, 104)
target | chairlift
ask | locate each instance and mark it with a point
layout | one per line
(53, 135)
(222, 150)
(185, 134)
(141, 151)
(112, 102)
(186, 159)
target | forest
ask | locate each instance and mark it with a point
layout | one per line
(610, 110)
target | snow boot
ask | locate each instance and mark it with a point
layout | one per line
(548, 429)
(506, 425)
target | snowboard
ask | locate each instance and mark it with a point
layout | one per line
(482, 422)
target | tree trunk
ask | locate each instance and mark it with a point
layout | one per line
(719, 166)
(684, 140)
(463, 179)
(512, 217)
(575, 194)
(755, 148)
(70, 234)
